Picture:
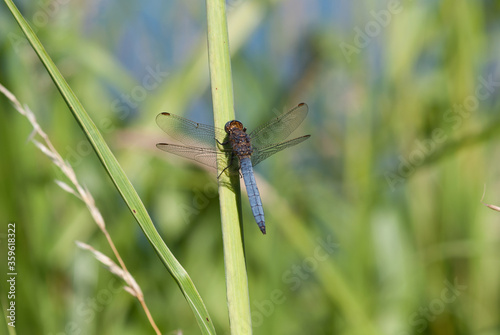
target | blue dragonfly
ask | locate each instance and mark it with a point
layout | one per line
(200, 144)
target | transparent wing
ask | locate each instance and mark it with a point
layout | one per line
(260, 154)
(189, 132)
(278, 129)
(205, 156)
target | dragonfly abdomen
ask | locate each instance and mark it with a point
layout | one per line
(253, 192)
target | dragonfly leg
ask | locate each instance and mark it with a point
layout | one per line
(222, 143)
(230, 164)
(222, 172)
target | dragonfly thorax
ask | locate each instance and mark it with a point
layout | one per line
(238, 138)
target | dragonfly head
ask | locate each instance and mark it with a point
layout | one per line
(231, 125)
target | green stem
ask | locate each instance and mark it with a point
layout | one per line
(223, 103)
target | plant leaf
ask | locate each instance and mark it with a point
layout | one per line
(119, 178)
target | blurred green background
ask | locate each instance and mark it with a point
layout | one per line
(375, 224)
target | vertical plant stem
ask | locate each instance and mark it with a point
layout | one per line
(223, 104)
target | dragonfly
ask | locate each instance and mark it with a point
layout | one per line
(211, 145)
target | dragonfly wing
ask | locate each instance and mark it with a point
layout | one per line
(189, 132)
(280, 128)
(207, 156)
(260, 154)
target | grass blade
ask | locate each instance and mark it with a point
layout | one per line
(119, 178)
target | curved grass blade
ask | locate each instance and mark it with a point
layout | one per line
(119, 178)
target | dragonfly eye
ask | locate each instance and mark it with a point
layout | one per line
(226, 127)
(230, 125)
